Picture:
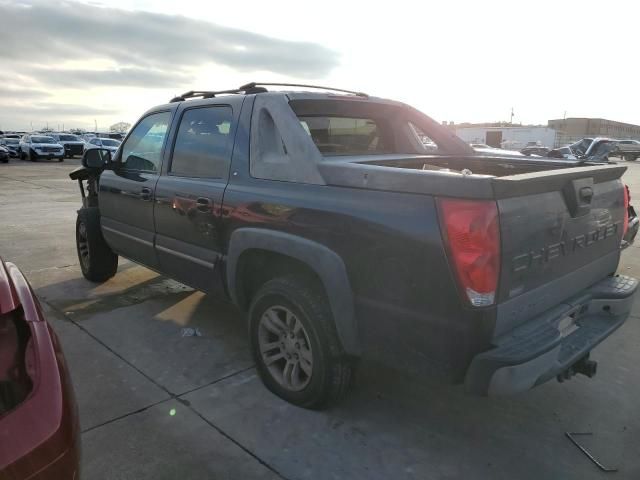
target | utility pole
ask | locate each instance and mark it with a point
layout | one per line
(511, 115)
(95, 123)
(31, 123)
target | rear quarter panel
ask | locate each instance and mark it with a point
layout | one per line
(406, 300)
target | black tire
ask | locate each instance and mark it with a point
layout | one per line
(97, 261)
(61, 159)
(332, 371)
(22, 155)
(630, 158)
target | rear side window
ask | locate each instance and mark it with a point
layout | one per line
(143, 148)
(203, 144)
(345, 135)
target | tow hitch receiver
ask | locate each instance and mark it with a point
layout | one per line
(584, 366)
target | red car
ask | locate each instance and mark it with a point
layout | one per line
(39, 428)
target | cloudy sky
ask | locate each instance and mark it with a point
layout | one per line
(76, 63)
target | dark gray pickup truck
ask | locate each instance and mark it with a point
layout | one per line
(342, 235)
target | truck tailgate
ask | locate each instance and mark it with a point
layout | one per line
(560, 233)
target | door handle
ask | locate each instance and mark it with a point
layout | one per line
(145, 193)
(203, 204)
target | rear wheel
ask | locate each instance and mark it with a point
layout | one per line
(97, 261)
(295, 344)
(629, 157)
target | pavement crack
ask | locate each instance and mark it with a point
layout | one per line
(129, 414)
(33, 183)
(172, 396)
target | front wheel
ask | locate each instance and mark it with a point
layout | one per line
(97, 261)
(295, 344)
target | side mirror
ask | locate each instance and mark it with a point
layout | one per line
(96, 158)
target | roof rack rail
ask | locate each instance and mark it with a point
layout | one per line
(255, 87)
(276, 84)
(212, 94)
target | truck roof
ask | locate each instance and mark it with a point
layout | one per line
(253, 88)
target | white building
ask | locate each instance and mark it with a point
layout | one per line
(508, 137)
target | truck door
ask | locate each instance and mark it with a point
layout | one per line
(126, 192)
(189, 194)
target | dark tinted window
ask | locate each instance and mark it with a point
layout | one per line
(345, 135)
(203, 145)
(68, 138)
(143, 148)
(42, 140)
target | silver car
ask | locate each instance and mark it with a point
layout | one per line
(108, 143)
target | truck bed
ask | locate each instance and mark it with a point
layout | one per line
(477, 177)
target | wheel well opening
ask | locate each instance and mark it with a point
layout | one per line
(257, 266)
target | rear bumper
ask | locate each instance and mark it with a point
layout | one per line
(551, 343)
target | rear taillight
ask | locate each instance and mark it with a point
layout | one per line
(627, 201)
(472, 234)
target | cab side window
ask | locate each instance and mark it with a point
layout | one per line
(203, 143)
(143, 149)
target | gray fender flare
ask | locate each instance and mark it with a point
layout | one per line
(324, 262)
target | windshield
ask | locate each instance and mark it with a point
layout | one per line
(68, 138)
(581, 147)
(42, 140)
(11, 141)
(110, 143)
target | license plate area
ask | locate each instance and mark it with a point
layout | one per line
(570, 322)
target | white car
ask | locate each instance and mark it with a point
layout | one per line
(108, 143)
(36, 147)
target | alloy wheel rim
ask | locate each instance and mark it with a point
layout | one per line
(285, 348)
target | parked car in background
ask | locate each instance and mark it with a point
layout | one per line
(36, 147)
(73, 145)
(628, 149)
(479, 145)
(535, 150)
(107, 143)
(4, 154)
(39, 427)
(11, 144)
(594, 150)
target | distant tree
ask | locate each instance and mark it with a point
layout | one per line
(120, 127)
